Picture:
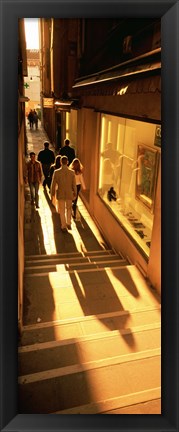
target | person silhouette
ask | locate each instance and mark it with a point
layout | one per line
(46, 157)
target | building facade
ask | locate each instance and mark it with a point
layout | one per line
(22, 72)
(32, 81)
(102, 81)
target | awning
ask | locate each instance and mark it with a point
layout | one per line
(124, 78)
(66, 105)
(149, 84)
(63, 106)
(23, 98)
(111, 76)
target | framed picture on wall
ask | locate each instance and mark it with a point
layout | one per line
(147, 165)
(157, 141)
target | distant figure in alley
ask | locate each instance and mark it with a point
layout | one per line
(68, 151)
(53, 167)
(64, 179)
(77, 167)
(31, 119)
(46, 157)
(35, 119)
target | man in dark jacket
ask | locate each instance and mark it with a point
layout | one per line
(67, 151)
(46, 157)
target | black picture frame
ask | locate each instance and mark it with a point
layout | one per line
(169, 13)
(147, 163)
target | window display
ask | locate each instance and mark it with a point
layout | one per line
(128, 174)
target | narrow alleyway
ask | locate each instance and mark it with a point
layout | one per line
(42, 227)
(91, 337)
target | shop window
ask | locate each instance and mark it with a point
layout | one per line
(128, 169)
(71, 128)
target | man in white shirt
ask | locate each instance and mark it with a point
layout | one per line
(64, 184)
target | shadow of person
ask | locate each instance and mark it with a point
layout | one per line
(128, 280)
(89, 239)
(97, 296)
(33, 233)
(48, 199)
(38, 299)
(64, 242)
(125, 278)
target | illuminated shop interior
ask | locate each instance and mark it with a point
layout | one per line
(128, 171)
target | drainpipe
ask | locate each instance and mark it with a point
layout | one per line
(53, 132)
(51, 56)
(41, 39)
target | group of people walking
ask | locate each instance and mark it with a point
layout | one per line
(33, 119)
(62, 174)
